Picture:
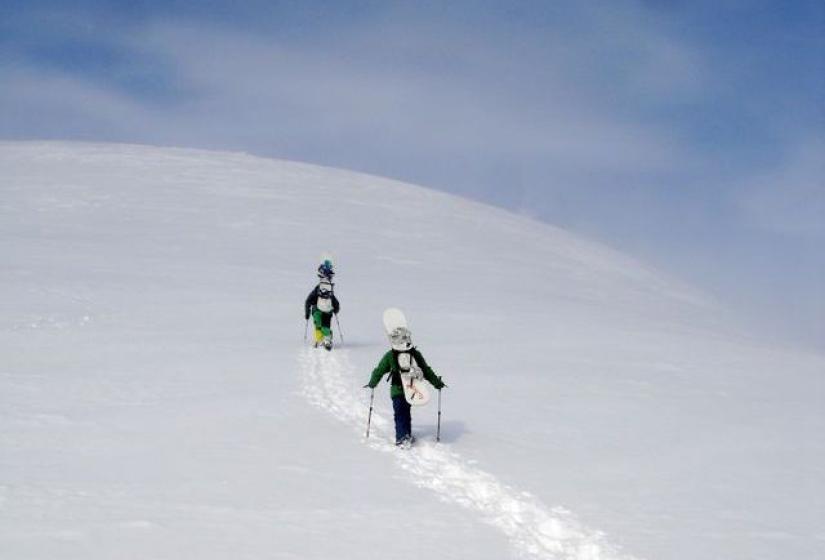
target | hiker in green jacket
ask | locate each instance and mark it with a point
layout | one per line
(403, 357)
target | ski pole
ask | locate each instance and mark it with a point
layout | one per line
(438, 430)
(306, 327)
(369, 417)
(340, 332)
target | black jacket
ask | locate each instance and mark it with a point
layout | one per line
(309, 305)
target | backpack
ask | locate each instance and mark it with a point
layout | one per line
(324, 301)
(406, 364)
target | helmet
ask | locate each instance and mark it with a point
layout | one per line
(401, 339)
(326, 270)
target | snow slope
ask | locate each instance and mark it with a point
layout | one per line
(157, 401)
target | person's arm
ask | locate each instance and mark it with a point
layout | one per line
(381, 369)
(429, 374)
(335, 305)
(310, 302)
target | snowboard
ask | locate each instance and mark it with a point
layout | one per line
(415, 391)
(394, 318)
(326, 258)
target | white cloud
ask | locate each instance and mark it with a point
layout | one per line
(38, 104)
(367, 93)
(417, 88)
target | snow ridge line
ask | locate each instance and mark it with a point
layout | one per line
(534, 531)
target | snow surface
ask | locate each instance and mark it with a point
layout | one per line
(157, 400)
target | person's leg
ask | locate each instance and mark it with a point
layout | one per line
(403, 419)
(317, 320)
(408, 420)
(326, 324)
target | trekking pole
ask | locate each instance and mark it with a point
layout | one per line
(369, 417)
(438, 428)
(340, 332)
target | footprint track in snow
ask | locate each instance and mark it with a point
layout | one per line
(535, 531)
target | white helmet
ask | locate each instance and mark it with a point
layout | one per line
(401, 339)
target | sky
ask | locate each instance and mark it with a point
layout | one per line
(688, 133)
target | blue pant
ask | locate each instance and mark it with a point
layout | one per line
(403, 420)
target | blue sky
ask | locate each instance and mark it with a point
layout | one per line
(690, 134)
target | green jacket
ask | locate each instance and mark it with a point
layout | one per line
(389, 364)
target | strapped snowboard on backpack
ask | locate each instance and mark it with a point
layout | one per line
(395, 324)
(322, 300)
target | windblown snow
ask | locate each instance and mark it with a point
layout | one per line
(157, 399)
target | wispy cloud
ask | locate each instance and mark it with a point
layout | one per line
(419, 87)
(357, 90)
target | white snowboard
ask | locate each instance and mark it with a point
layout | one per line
(415, 391)
(393, 319)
